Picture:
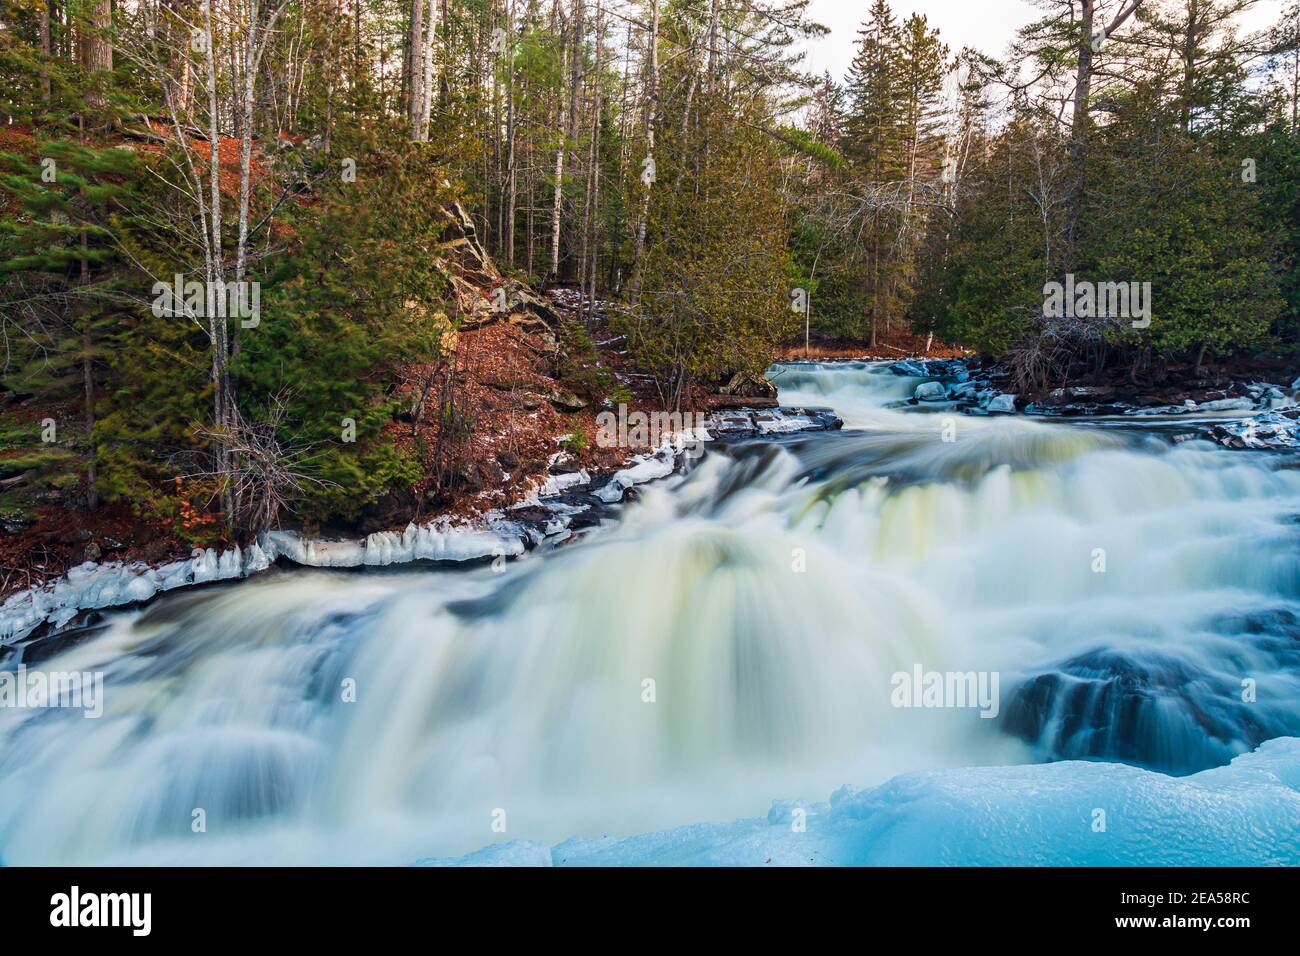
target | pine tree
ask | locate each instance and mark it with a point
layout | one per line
(62, 245)
(873, 138)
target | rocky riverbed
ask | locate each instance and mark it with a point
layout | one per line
(1244, 415)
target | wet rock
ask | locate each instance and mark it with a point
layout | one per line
(563, 463)
(718, 402)
(467, 477)
(1226, 405)
(1080, 393)
(1076, 410)
(930, 392)
(1157, 712)
(49, 641)
(393, 508)
(12, 522)
(745, 385)
(536, 514)
(1003, 404)
(748, 423)
(932, 368)
(490, 473)
(1275, 430)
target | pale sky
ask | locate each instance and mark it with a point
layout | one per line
(988, 25)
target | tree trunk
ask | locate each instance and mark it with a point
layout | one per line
(88, 385)
(557, 197)
(511, 174)
(96, 47)
(575, 89)
(594, 176)
(1189, 64)
(652, 105)
(1080, 120)
(1079, 126)
(45, 51)
(415, 67)
(217, 330)
(426, 81)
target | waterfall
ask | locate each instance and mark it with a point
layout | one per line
(735, 636)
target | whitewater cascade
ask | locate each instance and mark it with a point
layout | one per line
(733, 638)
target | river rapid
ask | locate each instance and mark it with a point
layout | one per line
(735, 636)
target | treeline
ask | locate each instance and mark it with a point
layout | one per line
(303, 155)
(1132, 142)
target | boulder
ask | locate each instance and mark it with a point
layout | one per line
(1081, 393)
(565, 401)
(1269, 431)
(930, 392)
(745, 385)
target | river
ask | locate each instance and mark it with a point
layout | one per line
(735, 636)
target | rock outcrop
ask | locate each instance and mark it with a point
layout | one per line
(483, 295)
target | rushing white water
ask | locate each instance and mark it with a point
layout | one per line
(770, 595)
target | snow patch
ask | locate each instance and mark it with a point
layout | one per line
(115, 583)
(1243, 814)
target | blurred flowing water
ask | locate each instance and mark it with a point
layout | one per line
(730, 640)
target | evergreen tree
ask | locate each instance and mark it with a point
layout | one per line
(65, 273)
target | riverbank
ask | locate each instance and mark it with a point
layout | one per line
(530, 386)
(567, 502)
(1248, 411)
(892, 345)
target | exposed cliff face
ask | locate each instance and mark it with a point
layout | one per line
(483, 295)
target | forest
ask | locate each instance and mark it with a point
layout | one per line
(302, 261)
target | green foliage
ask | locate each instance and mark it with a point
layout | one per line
(620, 394)
(1163, 207)
(61, 265)
(858, 229)
(342, 312)
(579, 366)
(1276, 155)
(1182, 219)
(717, 274)
(805, 143)
(575, 441)
(983, 274)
